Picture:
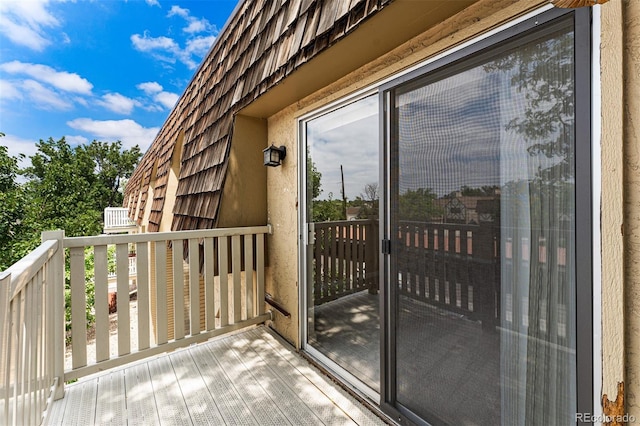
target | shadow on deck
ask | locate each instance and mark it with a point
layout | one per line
(250, 377)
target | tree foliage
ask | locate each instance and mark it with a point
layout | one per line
(12, 204)
(543, 73)
(418, 205)
(64, 188)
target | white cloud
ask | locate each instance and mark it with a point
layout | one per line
(118, 103)
(153, 2)
(145, 43)
(25, 23)
(17, 146)
(178, 11)
(9, 90)
(199, 46)
(76, 140)
(66, 81)
(44, 97)
(194, 25)
(169, 50)
(150, 87)
(127, 131)
(167, 99)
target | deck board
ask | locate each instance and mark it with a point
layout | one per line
(233, 408)
(200, 403)
(296, 411)
(139, 406)
(172, 408)
(111, 407)
(246, 378)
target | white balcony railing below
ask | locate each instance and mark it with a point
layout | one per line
(116, 219)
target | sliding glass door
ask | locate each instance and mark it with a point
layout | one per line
(482, 234)
(341, 225)
(481, 309)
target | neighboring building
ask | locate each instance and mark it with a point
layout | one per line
(522, 309)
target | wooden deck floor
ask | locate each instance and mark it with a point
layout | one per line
(249, 378)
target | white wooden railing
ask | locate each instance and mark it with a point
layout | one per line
(219, 288)
(223, 277)
(31, 339)
(116, 219)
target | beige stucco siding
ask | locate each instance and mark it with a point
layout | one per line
(282, 214)
(612, 189)
(631, 154)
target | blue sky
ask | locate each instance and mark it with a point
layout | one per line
(102, 69)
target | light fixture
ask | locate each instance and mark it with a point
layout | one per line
(273, 155)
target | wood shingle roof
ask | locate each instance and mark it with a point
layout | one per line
(264, 42)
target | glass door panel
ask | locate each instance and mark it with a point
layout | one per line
(342, 252)
(482, 230)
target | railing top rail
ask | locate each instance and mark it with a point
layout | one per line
(164, 236)
(26, 268)
(116, 209)
(345, 222)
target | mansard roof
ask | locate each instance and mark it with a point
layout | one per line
(263, 42)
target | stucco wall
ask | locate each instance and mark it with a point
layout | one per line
(612, 189)
(631, 108)
(244, 193)
(282, 214)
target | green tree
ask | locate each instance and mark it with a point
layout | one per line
(313, 179)
(113, 165)
(12, 205)
(418, 205)
(69, 187)
(66, 188)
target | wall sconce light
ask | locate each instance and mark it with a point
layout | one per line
(273, 155)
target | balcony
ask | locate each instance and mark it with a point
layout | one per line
(116, 220)
(198, 352)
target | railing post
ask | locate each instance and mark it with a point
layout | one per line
(5, 349)
(55, 300)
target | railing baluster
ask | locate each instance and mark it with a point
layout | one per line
(209, 294)
(194, 285)
(248, 275)
(235, 274)
(178, 290)
(161, 291)
(223, 262)
(340, 257)
(101, 302)
(260, 273)
(142, 284)
(78, 308)
(124, 316)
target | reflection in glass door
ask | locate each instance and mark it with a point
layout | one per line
(483, 243)
(341, 220)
